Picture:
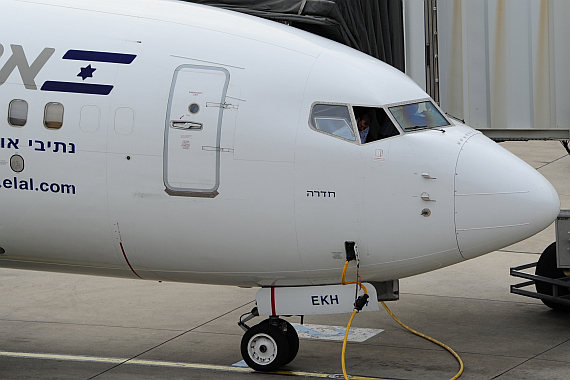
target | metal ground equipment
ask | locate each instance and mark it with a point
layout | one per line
(552, 274)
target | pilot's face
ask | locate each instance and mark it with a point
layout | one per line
(362, 124)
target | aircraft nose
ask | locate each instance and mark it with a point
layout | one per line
(499, 199)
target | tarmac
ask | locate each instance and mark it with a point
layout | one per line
(60, 326)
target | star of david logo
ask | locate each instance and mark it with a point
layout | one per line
(86, 72)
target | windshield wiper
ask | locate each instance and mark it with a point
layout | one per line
(417, 127)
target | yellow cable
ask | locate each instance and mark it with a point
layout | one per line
(351, 318)
(399, 322)
(343, 282)
(344, 342)
(428, 338)
(344, 271)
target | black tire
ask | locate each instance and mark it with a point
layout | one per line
(547, 267)
(264, 347)
(292, 339)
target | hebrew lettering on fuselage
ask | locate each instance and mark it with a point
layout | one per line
(326, 194)
(12, 143)
(7, 142)
(59, 146)
(41, 148)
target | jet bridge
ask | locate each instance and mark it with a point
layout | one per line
(499, 66)
(371, 26)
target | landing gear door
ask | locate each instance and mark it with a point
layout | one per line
(192, 131)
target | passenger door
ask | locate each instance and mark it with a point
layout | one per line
(192, 131)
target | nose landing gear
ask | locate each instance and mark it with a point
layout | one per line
(264, 347)
(268, 345)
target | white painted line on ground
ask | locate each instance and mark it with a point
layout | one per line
(77, 358)
(307, 331)
(97, 359)
(159, 363)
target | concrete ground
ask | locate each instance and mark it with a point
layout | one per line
(58, 326)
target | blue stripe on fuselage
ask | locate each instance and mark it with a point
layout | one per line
(78, 88)
(99, 56)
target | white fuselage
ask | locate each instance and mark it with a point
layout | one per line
(260, 198)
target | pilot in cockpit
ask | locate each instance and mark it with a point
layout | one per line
(373, 124)
(363, 125)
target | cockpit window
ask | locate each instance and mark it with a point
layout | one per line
(373, 124)
(417, 116)
(333, 119)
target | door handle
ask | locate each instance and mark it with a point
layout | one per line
(186, 125)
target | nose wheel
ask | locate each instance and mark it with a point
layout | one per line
(269, 345)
